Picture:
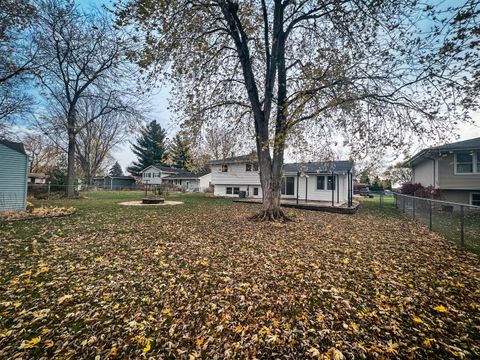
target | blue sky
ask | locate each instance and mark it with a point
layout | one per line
(160, 112)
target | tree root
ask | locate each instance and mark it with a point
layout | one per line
(276, 215)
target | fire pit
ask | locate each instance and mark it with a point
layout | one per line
(153, 200)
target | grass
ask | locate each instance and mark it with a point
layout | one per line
(199, 280)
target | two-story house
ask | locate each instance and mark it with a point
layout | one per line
(317, 181)
(452, 168)
(158, 174)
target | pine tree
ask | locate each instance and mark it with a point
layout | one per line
(115, 170)
(181, 156)
(149, 149)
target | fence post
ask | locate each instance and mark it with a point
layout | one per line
(431, 205)
(462, 226)
(403, 203)
(413, 207)
(48, 191)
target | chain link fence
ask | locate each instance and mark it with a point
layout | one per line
(457, 222)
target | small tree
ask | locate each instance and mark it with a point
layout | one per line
(150, 148)
(116, 170)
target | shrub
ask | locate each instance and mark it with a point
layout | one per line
(419, 190)
(410, 189)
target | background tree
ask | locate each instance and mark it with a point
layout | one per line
(17, 53)
(116, 170)
(181, 156)
(362, 69)
(150, 148)
(44, 154)
(80, 57)
(398, 174)
(219, 142)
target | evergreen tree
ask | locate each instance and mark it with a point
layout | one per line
(150, 148)
(181, 156)
(115, 170)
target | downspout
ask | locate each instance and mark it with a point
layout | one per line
(338, 188)
(306, 189)
(298, 183)
(333, 188)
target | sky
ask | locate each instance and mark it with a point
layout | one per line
(160, 112)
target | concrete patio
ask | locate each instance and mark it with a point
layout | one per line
(340, 208)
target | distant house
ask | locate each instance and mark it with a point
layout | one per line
(14, 164)
(114, 182)
(37, 178)
(452, 168)
(318, 181)
(183, 179)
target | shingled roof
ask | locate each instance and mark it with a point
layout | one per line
(14, 146)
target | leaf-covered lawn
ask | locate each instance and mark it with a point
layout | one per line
(199, 280)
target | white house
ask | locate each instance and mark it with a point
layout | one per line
(318, 181)
(158, 174)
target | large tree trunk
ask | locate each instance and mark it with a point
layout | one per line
(71, 156)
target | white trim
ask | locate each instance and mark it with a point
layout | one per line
(471, 197)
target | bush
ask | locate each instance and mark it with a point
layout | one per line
(419, 190)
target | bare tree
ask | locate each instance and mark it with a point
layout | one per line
(81, 57)
(219, 142)
(367, 70)
(44, 154)
(17, 54)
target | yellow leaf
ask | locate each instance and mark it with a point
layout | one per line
(427, 342)
(46, 330)
(346, 261)
(355, 326)
(65, 298)
(417, 320)
(113, 352)
(148, 347)
(29, 344)
(167, 311)
(100, 258)
(204, 263)
(48, 344)
(440, 309)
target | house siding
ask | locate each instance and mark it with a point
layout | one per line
(13, 179)
(236, 174)
(457, 196)
(423, 173)
(448, 180)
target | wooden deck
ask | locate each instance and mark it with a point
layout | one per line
(340, 208)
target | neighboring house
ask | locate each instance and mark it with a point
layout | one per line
(453, 168)
(318, 181)
(37, 178)
(183, 179)
(14, 164)
(114, 182)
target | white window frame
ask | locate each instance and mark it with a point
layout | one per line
(324, 183)
(475, 161)
(224, 166)
(471, 197)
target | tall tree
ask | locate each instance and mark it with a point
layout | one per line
(219, 142)
(365, 69)
(181, 156)
(44, 154)
(115, 170)
(81, 56)
(398, 174)
(17, 17)
(150, 148)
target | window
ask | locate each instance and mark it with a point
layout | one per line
(255, 191)
(331, 183)
(475, 199)
(251, 167)
(288, 185)
(248, 167)
(224, 168)
(255, 166)
(236, 190)
(229, 190)
(321, 182)
(464, 163)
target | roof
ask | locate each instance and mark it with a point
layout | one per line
(319, 166)
(184, 174)
(161, 168)
(14, 146)
(470, 144)
(37, 175)
(235, 159)
(126, 177)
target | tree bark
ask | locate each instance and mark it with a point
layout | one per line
(71, 155)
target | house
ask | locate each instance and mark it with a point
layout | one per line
(311, 181)
(453, 168)
(37, 178)
(114, 182)
(183, 179)
(14, 165)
